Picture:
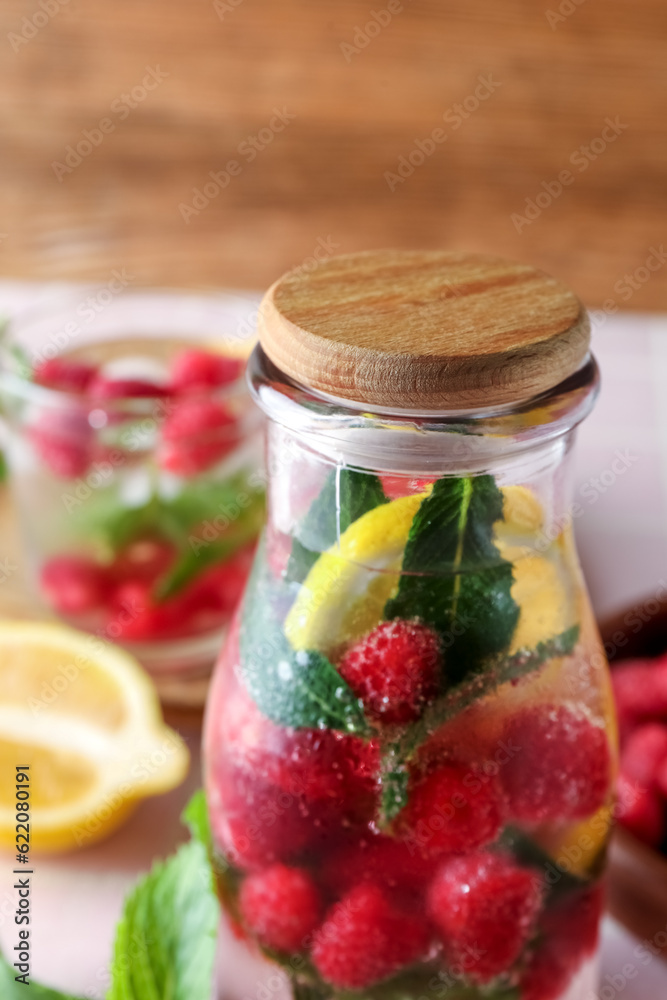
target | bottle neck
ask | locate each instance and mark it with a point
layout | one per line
(312, 439)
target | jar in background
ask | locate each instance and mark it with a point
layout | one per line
(134, 453)
(410, 741)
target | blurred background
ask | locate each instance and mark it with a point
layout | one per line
(115, 115)
(207, 146)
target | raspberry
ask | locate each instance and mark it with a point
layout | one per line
(281, 906)
(402, 486)
(365, 938)
(394, 670)
(73, 584)
(196, 435)
(640, 690)
(569, 931)
(134, 617)
(68, 376)
(451, 810)
(103, 387)
(137, 616)
(561, 770)
(485, 906)
(64, 441)
(390, 863)
(641, 811)
(195, 370)
(643, 753)
(255, 823)
(320, 768)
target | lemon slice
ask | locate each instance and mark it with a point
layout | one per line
(344, 594)
(346, 590)
(85, 718)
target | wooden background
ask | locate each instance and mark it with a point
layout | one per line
(322, 178)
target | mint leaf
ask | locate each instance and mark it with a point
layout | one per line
(11, 990)
(399, 752)
(165, 941)
(3, 468)
(454, 576)
(345, 496)
(292, 688)
(195, 817)
(197, 555)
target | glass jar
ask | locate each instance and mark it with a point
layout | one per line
(409, 742)
(134, 453)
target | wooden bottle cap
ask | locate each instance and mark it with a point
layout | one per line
(428, 330)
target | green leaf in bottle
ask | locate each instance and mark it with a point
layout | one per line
(454, 578)
(345, 496)
(292, 688)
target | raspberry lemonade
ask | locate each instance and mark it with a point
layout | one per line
(134, 463)
(409, 742)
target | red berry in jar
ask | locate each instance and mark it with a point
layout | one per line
(395, 670)
(392, 864)
(196, 435)
(281, 906)
(133, 614)
(485, 907)
(195, 370)
(328, 772)
(74, 585)
(451, 809)
(560, 766)
(65, 375)
(254, 822)
(64, 441)
(366, 937)
(568, 934)
(102, 387)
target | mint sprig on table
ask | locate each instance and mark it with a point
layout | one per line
(454, 577)
(166, 937)
(345, 496)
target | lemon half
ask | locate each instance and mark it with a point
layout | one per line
(82, 715)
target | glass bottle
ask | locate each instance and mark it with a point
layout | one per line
(409, 742)
(134, 453)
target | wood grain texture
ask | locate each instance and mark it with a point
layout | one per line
(424, 329)
(321, 180)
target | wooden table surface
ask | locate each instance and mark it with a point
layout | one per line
(356, 91)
